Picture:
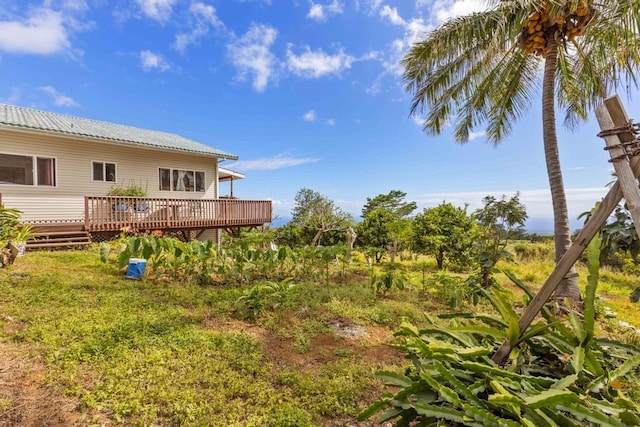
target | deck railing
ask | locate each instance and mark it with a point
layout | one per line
(104, 213)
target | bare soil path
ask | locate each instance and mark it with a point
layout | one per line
(25, 398)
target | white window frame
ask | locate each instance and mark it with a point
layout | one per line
(104, 171)
(173, 190)
(34, 159)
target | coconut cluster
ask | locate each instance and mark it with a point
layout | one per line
(565, 25)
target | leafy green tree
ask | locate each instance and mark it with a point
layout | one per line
(385, 225)
(483, 69)
(319, 219)
(289, 234)
(446, 232)
(499, 219)
(392, 201)
(373, 232)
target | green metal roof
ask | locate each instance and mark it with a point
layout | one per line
(28, 118)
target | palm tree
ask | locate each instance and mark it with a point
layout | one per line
(485, 69)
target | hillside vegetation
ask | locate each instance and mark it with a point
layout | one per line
(237, 337)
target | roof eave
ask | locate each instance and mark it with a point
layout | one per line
(29, 129)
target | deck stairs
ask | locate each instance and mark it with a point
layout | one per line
(62, 236)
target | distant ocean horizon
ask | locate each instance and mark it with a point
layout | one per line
(541, 226)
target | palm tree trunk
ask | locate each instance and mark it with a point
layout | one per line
(568, 288)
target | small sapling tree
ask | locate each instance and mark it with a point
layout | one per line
(499, 219)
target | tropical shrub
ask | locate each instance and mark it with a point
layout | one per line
(11, 235)
(559, 373)
(453, 290)
(391, 278)
(9, 221)
(260, 297)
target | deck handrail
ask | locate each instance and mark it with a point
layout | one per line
(113, 213)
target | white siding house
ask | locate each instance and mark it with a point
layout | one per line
(51, 163)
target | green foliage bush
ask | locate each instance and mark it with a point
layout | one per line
(392, 278)
(239, 262)
(9, 224)
(453, 290)
(263, 296)
(526, 251)
(559, 373)
(132, 190)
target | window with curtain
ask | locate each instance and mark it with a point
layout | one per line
(165, 179)
(103, 171)
(27, 170)
(181, 180)
(46, 171)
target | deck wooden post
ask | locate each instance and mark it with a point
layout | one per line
(168, 209)
(86, 213)
(598, 218)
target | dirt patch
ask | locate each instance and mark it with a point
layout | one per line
(370, 343)
(25, 398)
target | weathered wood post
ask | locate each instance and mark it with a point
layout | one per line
(613, 119)
(619, 125)
(351, 239)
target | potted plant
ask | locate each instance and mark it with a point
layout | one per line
(23, 234)
(132, 190)
(11, 235)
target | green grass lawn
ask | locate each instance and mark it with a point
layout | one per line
(177, 353)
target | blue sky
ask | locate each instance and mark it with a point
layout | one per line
(307, 94)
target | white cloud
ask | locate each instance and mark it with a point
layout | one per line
(414, 29)
(331, 122)
(319, 12)
(392, 14)
(418, 120)
(250, 54)
(207, 13)
(150, 61)
(476, 135)
(160, 10)
(42, 33)
(14, 96)
(58, 98)
(79, 5)
(370, 5)
(316, 12)
(316, 64)
(309, 116)
(444, 10)
(279, 161)
(204, 16)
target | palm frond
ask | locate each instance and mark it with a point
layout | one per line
(470, 71)
(451, 72)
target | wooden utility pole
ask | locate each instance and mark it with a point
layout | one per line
(618, 132)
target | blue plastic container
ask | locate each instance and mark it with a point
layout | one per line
(135, 270)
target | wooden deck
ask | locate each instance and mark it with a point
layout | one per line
(106, 214)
